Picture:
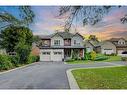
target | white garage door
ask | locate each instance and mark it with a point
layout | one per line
(45, 56)
(107, 51)
(51, 55)
(57, 56)
(120, 51)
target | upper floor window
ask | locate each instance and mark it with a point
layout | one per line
(67, 42)
(45, 42)
(76, 43)
(121, 42)
(57, 42)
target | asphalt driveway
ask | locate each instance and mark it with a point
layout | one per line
(43, 75)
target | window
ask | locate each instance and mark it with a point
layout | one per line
(46, 53)
(55, 53)
(57, 42)
(107, 49)
(74, 41)
(45, 42)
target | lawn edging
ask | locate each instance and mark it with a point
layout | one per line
(17, 68)
(72, 81)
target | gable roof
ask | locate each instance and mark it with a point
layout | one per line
(64, 35)
(116, 39)
(112, 40)
(93, 43)
(79, 35)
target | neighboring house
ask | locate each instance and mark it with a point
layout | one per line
(35, 50)
(92, 45)
(60, 46)
(114, 45)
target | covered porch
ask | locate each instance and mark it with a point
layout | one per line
(70, 53)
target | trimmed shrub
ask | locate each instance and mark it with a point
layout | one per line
(93, 55)
(23, 51)
(15, 60)
(124, 58)
(33, 58)
(5, 63)
(87, 56)
(38, 58)
(101, 58)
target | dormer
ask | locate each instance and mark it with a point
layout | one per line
(77, 40)
(121, 42)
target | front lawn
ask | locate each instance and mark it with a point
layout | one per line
(113, 58)
(109, 59)
(102, 78)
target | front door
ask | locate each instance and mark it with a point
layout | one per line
(67, 53)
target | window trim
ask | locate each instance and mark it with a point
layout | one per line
(57, 42)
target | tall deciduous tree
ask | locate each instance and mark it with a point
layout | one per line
(13, 35)
(88, 15)
(26, 17)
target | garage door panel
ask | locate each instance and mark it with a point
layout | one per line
(107, 51)
(57, 56)
(120, 51)
(45, 56)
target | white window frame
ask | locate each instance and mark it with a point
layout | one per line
(46, 53)
(57, 42)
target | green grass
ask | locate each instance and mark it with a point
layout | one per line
(113, 58)
(80, 62)
(110, 59)
(102, 78)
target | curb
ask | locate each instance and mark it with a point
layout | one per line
(72, 81)
(17, 68)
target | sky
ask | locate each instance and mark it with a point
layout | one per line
(47, 21)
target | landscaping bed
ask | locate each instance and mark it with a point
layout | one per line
(102, 78)
(10, 62)
(99, 58)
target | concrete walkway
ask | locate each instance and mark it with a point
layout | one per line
(44, 75)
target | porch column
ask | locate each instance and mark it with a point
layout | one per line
(71, 52)
(83, 53)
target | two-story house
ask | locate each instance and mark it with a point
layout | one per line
(60, 46)
(114, 45)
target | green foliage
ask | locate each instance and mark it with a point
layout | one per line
(93, 55)
(23, 51)
(5, 63)
(15, 60)
(75, 54)
(87, 56)
(101, 58)
(33, 58)
(11, 36)
(124, 58)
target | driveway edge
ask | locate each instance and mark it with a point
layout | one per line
(72, 82)
(17, 68)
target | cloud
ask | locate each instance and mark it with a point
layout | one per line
(47, 21)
